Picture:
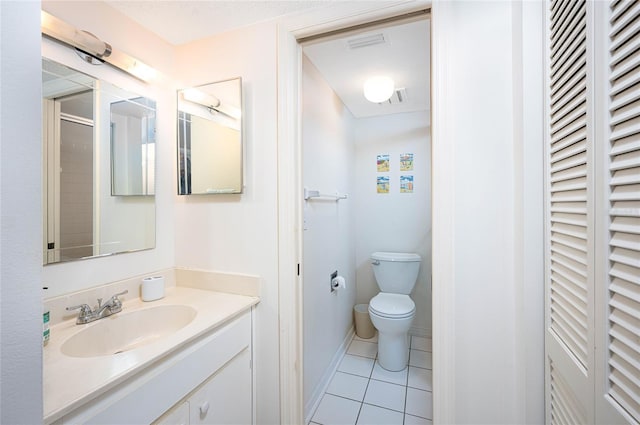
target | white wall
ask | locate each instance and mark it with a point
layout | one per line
(486, 172)
(394, 221)
(20, 214)
(124, 34)
(328, 152)
(239, 233)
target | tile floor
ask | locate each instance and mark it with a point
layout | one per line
(361, 392)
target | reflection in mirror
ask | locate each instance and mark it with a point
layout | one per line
(81, 218)
(210, 138)
(133, 141)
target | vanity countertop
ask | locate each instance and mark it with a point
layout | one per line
(69, 382)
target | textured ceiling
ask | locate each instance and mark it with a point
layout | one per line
(403, 56)
(180, 22)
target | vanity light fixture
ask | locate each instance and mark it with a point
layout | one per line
(378, 89)
(201, 98)
(92, 49)
(210, 102)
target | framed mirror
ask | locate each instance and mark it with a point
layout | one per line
(210, 138)
(98, 167)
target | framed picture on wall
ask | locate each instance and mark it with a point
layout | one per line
(406, 162)
(383, 184)
(406, 184)
(383, 163)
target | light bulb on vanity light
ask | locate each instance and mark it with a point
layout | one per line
(378, 89)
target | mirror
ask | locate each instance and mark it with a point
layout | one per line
(210, 138)
(98, 144)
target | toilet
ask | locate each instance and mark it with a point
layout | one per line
(392, 310)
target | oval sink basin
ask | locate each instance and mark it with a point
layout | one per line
(128, 331)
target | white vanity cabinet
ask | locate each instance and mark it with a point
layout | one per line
(205, 381)
(178, 415)
(223, 399)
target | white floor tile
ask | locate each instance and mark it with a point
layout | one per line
(382, 374)
(356, 365)
(414, 420)
(372, 339)
(419, 358)
(362, 348)
(420, 378)
(419, 403)
(335, 410)
(384, 394)
(361, 390)
(373, 415)
(420, 343)
(348, 386)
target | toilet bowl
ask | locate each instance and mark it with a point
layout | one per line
(392, 310)
(392, 315)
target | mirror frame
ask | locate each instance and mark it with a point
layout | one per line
(225, 116)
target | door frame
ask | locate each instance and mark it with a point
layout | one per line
(289, 77)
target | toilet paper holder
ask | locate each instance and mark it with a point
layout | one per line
(337, 281)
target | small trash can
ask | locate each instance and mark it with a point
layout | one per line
(364, 327)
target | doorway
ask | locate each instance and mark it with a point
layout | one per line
(68, 155)
(366, 169)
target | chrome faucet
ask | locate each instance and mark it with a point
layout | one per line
(87, 314)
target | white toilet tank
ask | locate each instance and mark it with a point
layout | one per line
(396, 272)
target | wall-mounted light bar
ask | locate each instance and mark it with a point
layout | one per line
(91, 45)
(210, 102)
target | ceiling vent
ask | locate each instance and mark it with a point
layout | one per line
(369, 40)
(399, 96)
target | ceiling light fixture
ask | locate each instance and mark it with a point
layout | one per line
(378, 89)
(94, 50)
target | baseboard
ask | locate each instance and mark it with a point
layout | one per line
(419, 331)
(322, 386)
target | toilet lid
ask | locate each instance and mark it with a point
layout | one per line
(392, 305)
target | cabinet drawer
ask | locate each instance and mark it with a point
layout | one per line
(225, 398)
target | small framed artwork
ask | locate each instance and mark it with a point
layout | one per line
(383, 184)
(406, 162)
(406, 184)
(383, 163)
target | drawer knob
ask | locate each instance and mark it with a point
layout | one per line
(204, 408)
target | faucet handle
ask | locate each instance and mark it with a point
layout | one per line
(116, 303)
(126, 291)
(85, 313)
(84, 308)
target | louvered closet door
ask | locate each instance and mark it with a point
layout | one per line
(569, 309)
(593, 288)
(623, 374)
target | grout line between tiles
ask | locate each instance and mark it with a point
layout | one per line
(425, 368)
(387, 408)
(370, 377)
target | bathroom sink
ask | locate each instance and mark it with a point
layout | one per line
(127, 331)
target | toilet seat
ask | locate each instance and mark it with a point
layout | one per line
(392, 306)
